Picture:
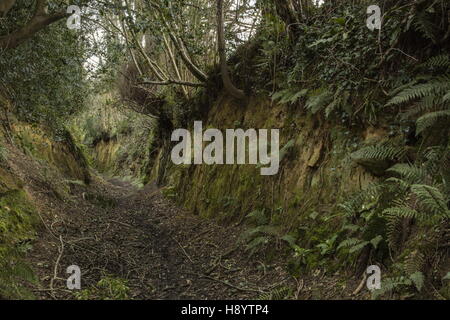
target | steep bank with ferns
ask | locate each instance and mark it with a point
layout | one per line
(363, 115)
(364, 128)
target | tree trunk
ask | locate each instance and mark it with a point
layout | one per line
(39, 21)
(228, 84)
(287, 11)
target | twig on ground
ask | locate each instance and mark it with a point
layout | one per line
(122, 223)
(361, 285)
(184, 251)
(55, 270)
(231, 285)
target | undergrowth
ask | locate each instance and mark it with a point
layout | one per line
(341, 72)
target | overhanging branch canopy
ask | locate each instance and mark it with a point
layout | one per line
(39, 21)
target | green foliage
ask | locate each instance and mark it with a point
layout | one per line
(290, 96)
(258, 216)
(410, 173)
(17, 222)
(441, 61)
(391, 284)
(327, 247)
(318, 100)
(14, 273)
(284, 151)
(46, 76)
(384, 211)
(107, 288)
(332, 54)
(432, 119)
(281, 293)
(428, 100)
(415, 92)
(3, 154)
(418, 279)
(431, 199)
(383, 151)
(262, 232)
(400, 284)
(362, 201)
(355, 245)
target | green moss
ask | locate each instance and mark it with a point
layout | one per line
(17, 229)
(57, 149)
(315, 175)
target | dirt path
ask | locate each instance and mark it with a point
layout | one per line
(159, 251)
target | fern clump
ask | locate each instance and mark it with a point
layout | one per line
(428, 98)
(377, 158)
(408, 211)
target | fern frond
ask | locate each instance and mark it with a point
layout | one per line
(423, 23)
(427, 103)
(340, 99)
(431, 198)
(402, 212)
(438, 164)
(431, 119)
(446, 97)
(418, 280)
(400, 183)
(353, 244)
(414, 262)
(257, 242)
(318, 100)
(437, 62)
(383, 151)
(276, 294)
(394, 231)
(436, 87)
(289, 95)
(391, 284)
(409, 172)
(361, 200)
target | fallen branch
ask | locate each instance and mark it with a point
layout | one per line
(231, 285)
(361, 285)
(174, 82)
(55, 270)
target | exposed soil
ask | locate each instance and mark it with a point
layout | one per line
(161, 252)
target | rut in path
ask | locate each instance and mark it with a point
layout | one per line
(161, 251)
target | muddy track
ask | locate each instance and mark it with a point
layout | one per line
(159, 250)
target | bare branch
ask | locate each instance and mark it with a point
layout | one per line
(174, 82)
